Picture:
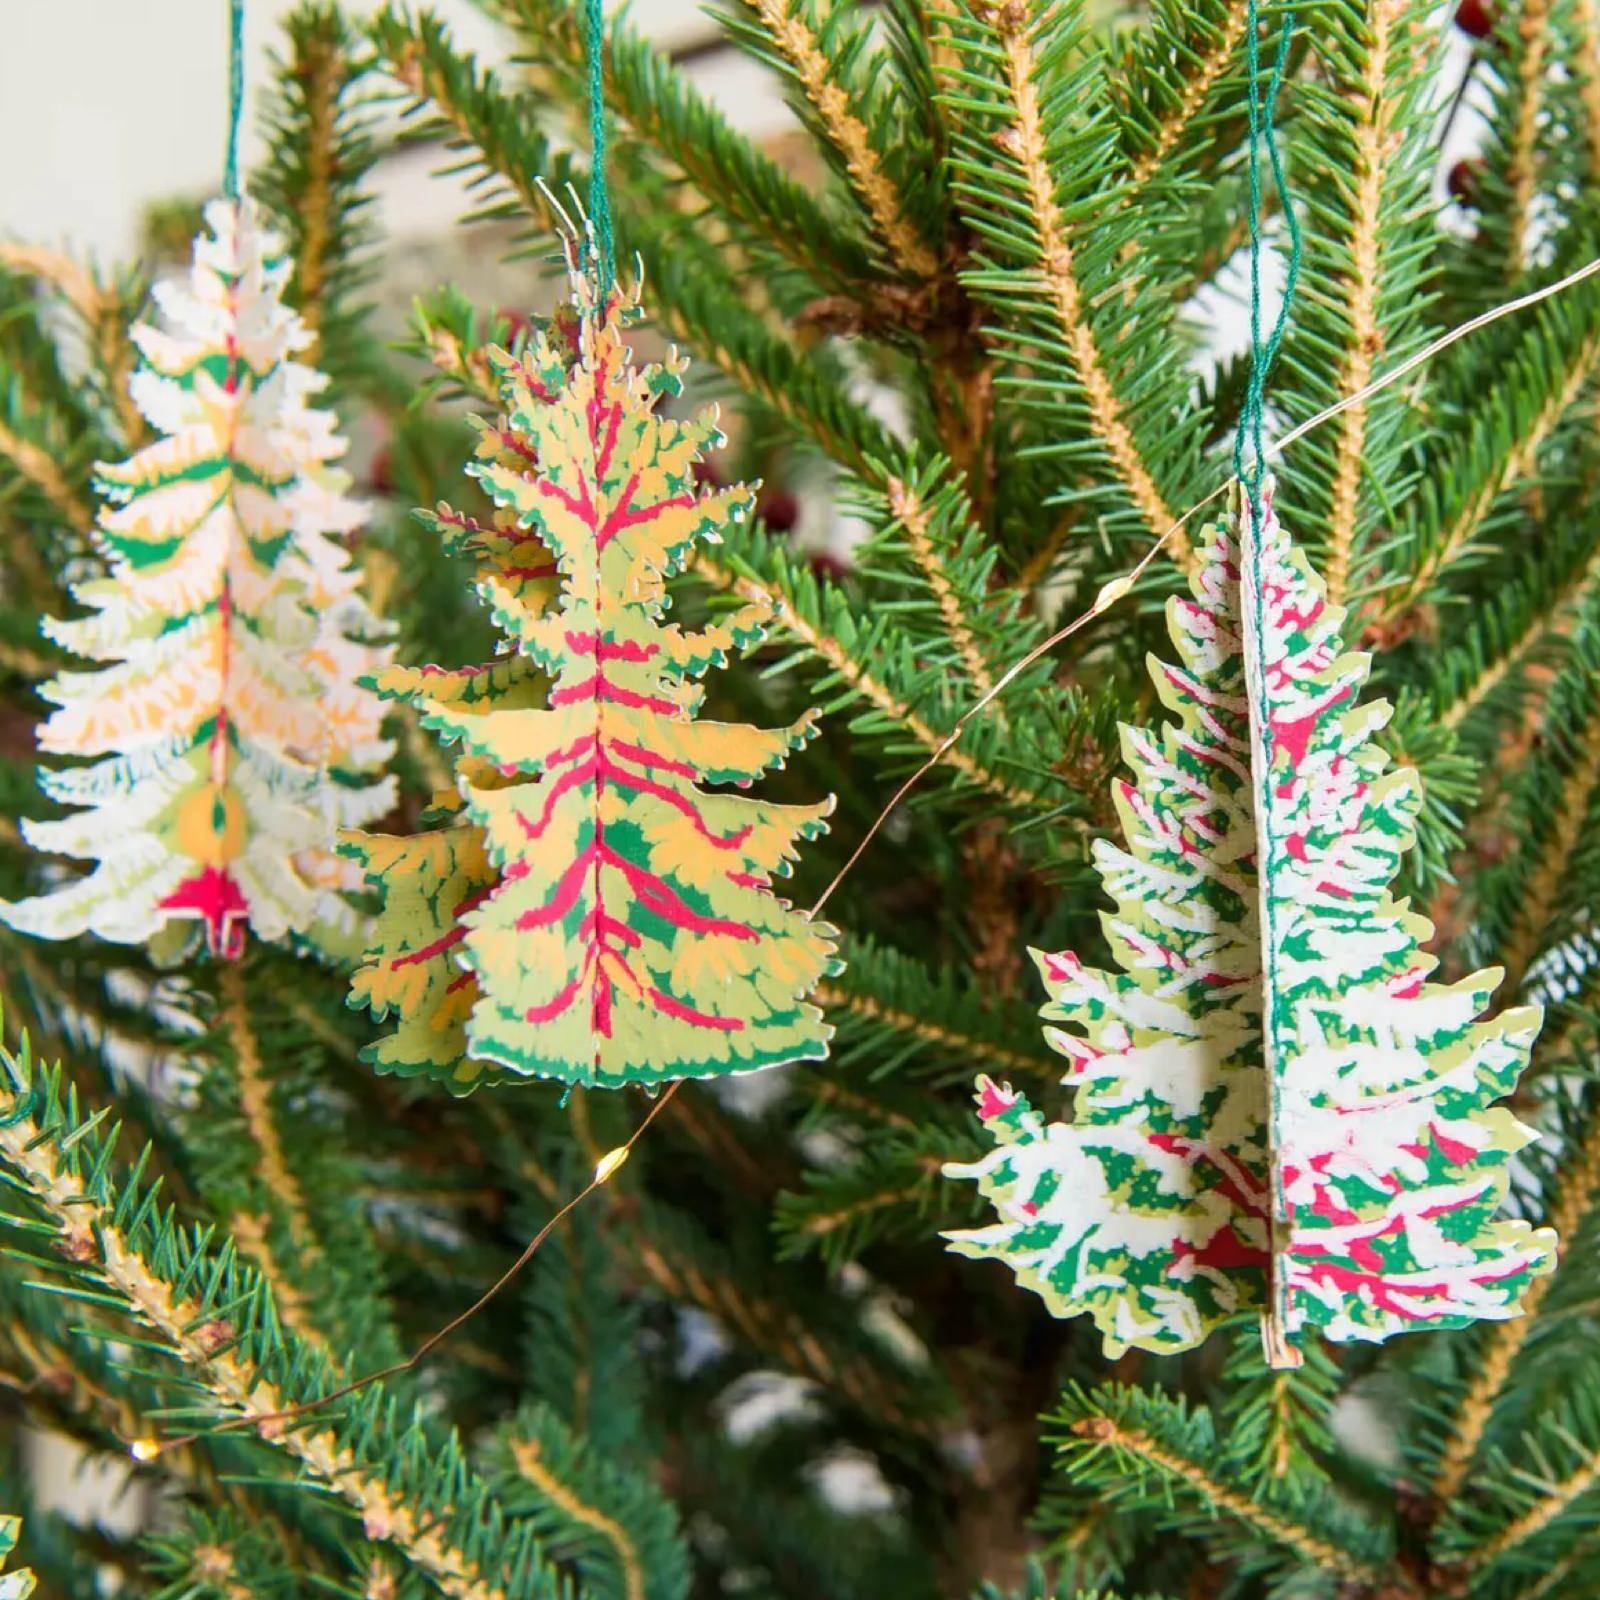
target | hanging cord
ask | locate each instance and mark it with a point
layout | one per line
(603, 243)
(230, 168)
(1263, 121)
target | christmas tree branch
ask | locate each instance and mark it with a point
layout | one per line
(737, 343)
(845, 665)
(797, 39)
(78, 1381)
(1276, 1420)
(213, 1569)
(1533, 31)
(105, 313)
(925, 1031)
(1364, 292)
(34, 463)
(1196, 1478)
(892, 1009)
(1116, 1439)
(817, 1225)
(1479, 470)
(50, 1375)
(1586, 27)
(530, 1463)
(470, 107)
(610, 1522)
(277, 1160)
(260, 1120)
(730, 173)
(1374, 140)
(1550, 1580)
(1512, 651)
(1552, 1501)
(214, 1317)
(321, 152)
(319, 74)
(1023, 139)
(1546, 861)
(1204, 60)
(913, 514)
(890, 1187)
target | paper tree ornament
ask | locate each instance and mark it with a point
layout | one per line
(13, 1585)
(1274, 1107)
(429, 881)
(227, 735)
(610, 921)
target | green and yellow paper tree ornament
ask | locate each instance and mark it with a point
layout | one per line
(1274, 1108)
(430, 880)
(225, 732)
(609, 917)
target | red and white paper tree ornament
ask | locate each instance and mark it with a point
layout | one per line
(1274, 1107)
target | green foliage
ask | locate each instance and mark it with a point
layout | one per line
(321, 150)
(610, 1523)
(1153, 1455)
(1364, 274)
(969, 307)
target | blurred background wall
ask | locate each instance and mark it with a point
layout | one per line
(108, 105)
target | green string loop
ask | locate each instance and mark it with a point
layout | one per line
(230, 168)
(602, 241)
(1263, 121)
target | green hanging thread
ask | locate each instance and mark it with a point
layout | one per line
(1263, 120)
(604, 245)
(230, 168)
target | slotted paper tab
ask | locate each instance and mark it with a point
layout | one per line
(630, 934)
(1340, 1168)
(226, 735)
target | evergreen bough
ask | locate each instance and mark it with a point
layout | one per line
(1021, 218)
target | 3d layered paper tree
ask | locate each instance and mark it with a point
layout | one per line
(605, 919)
(1274, 1107)
(227, 735)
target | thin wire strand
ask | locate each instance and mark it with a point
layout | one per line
(1117, 589)
(230, 165)
(601, 1176)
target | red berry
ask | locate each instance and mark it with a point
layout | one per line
(706, 475)
(827, 565)
(380, 475)
(1476, 18)
(779, 509)
(1465, 179)
(517, 325)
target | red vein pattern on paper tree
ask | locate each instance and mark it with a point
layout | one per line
(621, 926)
